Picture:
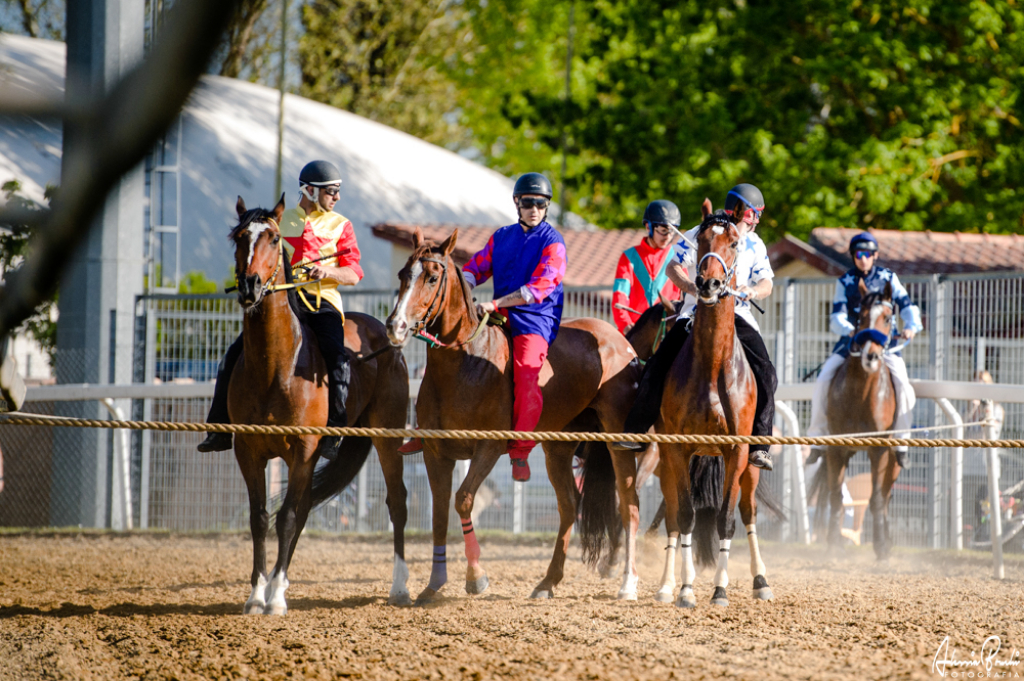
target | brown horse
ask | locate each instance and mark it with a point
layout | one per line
(710, 390)
(590, 376)
(281, 379)
(861, 399)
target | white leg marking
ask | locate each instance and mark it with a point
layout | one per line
(722, 574)
(668, 577)
(276, 603)
(756, 564)
(257, 602)
(689, 571)
(399, 578)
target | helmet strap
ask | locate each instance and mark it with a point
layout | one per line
(312, 193)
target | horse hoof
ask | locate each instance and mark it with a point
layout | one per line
(253, 609)
(762, 592)
(276, 609)
(719, 597)
(426, 597)
(477, 586)
(663, 597)
(626, 596)
(542, 593)
(400, 599)
(686, 598)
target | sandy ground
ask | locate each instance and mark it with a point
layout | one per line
(168, 607)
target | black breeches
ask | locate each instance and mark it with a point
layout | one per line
(645, 409)
(329, 330)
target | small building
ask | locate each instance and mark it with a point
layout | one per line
(907, 253)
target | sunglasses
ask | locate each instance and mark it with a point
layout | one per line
(529, 202)
(862, 255)
(331, 191)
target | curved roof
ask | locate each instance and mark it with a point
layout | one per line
(230, 148)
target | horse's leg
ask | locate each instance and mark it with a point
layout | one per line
(392, 465)
(629, 508)
(254, 473)
(439, 474)
(558, 458)
(836, 459)
(670, 453)
(883, 476)
(484, 458)
(748, 512)
(291, 518)
(686, 521)
(727, 519)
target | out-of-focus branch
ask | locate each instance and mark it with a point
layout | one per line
(111, 137)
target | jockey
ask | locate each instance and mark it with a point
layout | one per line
(640, 275)
(527, 261)
(845, 307)
(310, 231)
(744, 205)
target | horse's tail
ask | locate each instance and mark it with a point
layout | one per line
(599, 515)
(338, 474)
(766, 498)
(707, 477)
(818, 490)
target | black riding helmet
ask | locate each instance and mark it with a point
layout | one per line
(661, 212)
(532, 183)
(864, 241)
(746, 195)
(320, 174)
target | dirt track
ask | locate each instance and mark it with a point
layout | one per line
(152, 607)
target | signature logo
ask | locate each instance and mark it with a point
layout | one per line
(985, 663)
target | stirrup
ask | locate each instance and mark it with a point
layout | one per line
(761, 459)
(216, 442)
(629, 446)
(814, 456)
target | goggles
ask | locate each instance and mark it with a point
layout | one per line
(863, 255)
(660, 227)
(531, 202)
(333, 190)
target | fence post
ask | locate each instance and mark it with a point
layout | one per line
(995, 524)
(937, 351)
(363, 498)
(518, 507)
(803, 533)
(956, 507)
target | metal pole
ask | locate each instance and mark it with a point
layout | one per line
(956, 476)
(121, 503)
(280, 105)
(800, 484)
(995, 524)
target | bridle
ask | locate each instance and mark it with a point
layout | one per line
(873, 335)
(274, 288)
(419, 329)
(726, 290)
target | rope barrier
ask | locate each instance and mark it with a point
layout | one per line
(22, 419)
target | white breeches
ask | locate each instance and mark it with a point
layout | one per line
(905, 397)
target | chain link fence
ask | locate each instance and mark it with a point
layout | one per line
(972, 323)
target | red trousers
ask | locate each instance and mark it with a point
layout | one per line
(528, 354)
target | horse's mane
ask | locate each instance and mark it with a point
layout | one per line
(719, 217)
(871, 299)
(250, 216)
(430, 248)
(653, 313)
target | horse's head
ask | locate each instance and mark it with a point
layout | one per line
(423, 286)
(258, 255)
(717, 247)
(874, 326)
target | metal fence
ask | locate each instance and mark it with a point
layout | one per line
(972, 322)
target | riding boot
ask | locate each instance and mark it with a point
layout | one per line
(647, 405)
(221, 442)
(329, 328)
(767, 381)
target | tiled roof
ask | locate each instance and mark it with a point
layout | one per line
(928, 252)
(593, 254)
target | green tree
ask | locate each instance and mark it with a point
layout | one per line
(14, 246)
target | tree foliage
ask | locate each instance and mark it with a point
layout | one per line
(885, 114)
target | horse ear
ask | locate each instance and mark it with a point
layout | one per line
(449, 244)
(705, 209)
(279, 209)
(862, 287)
(669, 305)
(240, 207)
(887, 293)
(417, 238)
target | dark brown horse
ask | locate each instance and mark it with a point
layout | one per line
(710, 390)
(861, 399)
(281, 379)
(590, 377)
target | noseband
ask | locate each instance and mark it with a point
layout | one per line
(873, 335)
(431, 314)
